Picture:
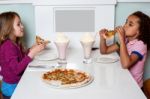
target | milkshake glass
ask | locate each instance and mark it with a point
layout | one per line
(87, 42)
(62, 49)
(62, 43)
(87, 49)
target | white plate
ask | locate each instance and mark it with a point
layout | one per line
(71, 87)
(106, 59)
(46, 55)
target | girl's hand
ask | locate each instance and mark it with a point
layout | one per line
(36, 49)
(121, 33)
(32, 46)
(102, 33)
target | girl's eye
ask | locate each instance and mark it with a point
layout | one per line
(130, 24)
(19, 24)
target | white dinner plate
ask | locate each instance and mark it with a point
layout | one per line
(71, 87)
(106, 59)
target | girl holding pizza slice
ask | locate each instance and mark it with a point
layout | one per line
(13, 56)
(134, 43)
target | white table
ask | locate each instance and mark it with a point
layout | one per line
(110, 82)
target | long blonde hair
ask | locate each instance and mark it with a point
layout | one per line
(6, 27)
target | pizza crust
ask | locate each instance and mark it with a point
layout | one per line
(110, 34)
(39, 40)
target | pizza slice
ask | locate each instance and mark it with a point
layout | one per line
(39, 40)
(110, 34)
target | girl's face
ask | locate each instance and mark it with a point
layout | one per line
(131, 26)
(18, 27)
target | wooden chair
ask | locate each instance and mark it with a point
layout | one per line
(146, 88)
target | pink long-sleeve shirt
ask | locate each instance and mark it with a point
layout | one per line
(13, 61)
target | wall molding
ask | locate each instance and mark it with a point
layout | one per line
(53, 2)
(75, 2)
(15, 1)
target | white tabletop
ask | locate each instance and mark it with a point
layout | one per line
(110, 81)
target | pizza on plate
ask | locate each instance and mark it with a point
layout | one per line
(66, 78)
(39, 40)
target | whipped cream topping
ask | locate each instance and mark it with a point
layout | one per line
(61, 37)
(87, 37)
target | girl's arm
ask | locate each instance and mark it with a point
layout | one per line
(13, 60)
(104, 49)
(126, 60)
(36, 49)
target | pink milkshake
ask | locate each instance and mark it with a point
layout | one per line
(87, 42)
(62, 49)
(62, 43)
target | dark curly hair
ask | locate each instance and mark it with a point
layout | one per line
(144, 27)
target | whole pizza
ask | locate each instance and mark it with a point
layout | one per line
(68, 78)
